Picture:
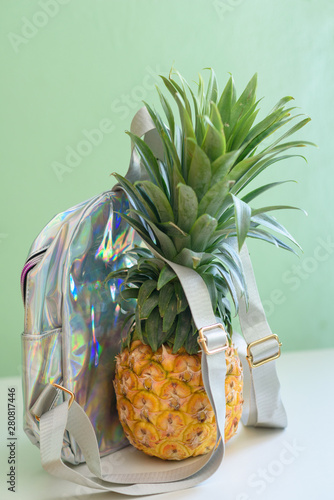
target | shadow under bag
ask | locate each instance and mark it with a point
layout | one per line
(72, 333)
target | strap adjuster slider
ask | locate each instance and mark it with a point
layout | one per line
(266, 360)
(202, 340)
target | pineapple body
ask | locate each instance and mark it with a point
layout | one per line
(162, 404)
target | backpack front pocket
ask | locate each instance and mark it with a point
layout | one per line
(41, 365)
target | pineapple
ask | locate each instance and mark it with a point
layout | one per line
(186, 210)
(162, 404)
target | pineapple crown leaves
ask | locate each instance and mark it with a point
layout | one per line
(191, 203)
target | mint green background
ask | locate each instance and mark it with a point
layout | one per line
(84, 60)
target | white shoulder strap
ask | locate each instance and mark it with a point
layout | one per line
(263, 406)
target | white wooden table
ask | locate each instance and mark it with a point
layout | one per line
(260, 464)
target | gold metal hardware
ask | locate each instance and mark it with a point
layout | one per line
(64, 390)
(202, 340)
(260, 341)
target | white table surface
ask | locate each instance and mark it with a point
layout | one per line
(259, 464)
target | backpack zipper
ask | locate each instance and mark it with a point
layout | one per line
(28, 266)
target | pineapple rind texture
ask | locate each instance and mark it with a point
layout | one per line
(162, 404)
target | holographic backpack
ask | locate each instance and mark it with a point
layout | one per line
(73, 321)
(72, 331)
(69, 314)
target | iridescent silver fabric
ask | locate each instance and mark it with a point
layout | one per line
(73, 319)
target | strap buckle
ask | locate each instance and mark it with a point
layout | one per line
(266, 360)
(202, 340)
(64, 390)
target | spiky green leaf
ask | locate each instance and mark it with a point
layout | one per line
(159, 200)
(145, 291)
(170, 314)
(165, 295)
(187, 207)
(271, 223)
(166, 275)
(168, 112)
(199, 176)
(189, 258)
(226, 103)
(244, 103)
(212, 201)
(129, 293)
(153, 325)
(149, 304)
(182, 329)
(262, 189)
(222, 165)
(211, 285)
(242, 213)
(201, 232)
(214, 142)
